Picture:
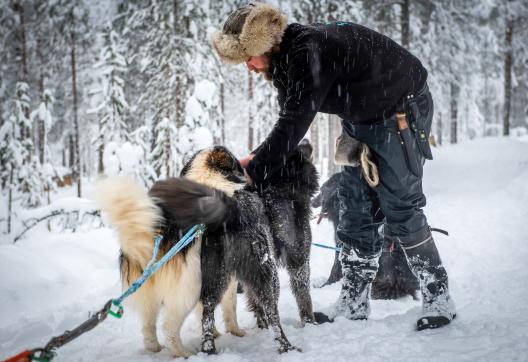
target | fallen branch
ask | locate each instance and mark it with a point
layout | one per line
(73, 210)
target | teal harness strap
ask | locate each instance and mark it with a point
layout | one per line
(153, 266)
(327, 247)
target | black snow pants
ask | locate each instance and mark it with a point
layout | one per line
(398, 199)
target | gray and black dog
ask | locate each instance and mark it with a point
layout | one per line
(287, 203)
(394, 279)
(248, 233)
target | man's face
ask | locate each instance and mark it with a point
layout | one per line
(258, 64)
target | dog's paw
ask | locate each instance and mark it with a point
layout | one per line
(153, 346)
(262, 322)
(181, 353)
(239, 332)
(288, 347)
(208, 347)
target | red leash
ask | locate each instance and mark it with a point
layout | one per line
(21, 357)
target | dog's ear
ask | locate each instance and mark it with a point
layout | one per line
(221, 158)
(306, 149)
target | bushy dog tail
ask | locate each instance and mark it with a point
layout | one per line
(135, 215)
(186, 203)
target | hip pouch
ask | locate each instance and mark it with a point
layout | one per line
(347, 150)
(412, 159)
(351, 152)
(421, 120)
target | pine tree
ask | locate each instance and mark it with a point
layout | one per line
(141, 138)
(43, 118)
(28, 173)
(11, 152)
(164, 157)
(113, 107)
(72, 22)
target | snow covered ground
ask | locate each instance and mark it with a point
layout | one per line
(476, 190)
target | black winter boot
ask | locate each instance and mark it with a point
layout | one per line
(358, 273)
(438, 308)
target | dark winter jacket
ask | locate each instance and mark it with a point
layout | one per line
(338, 68)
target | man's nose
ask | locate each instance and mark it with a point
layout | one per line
(249, 66)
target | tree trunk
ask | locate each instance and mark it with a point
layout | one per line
(405, 21)
(251, 128)
(222, 116)
(72, 152)
(168, 153)
(41, 126)
(100, 165)
(25, 131)
(20, 9)
(42, 141)
(439, 129)
(314, 139)
(454, 111)
(508, 63)
(178, 104)
(10, 201)
(334, 127)
(77, 154)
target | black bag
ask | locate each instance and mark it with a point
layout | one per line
(422, 109)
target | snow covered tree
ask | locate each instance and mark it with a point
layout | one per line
(11, 159)
(515, 16)
(29, 171)
(164, 157)
(113, 107)
(141, 138)
(43, 119)
(72, 22)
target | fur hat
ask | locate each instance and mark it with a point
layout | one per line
(249, 31)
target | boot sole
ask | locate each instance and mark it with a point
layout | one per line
(432, 322)
(321, 318)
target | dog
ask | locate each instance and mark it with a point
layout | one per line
(394, 278)
(286, 210)
(139, 218)
(238, 241)
(287, 203)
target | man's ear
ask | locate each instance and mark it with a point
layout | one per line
(306, 148)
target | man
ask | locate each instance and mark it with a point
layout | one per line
(365, 78)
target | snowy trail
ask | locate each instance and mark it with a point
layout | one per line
(476, 190)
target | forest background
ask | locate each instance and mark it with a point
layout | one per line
(109, 87)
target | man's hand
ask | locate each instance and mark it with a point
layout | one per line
(244, 162)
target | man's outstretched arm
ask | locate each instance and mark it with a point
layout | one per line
(306, 90)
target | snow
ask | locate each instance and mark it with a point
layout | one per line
(205, 91)
(121, 159)
(202, 138)
(477, 190)
(193, 110)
